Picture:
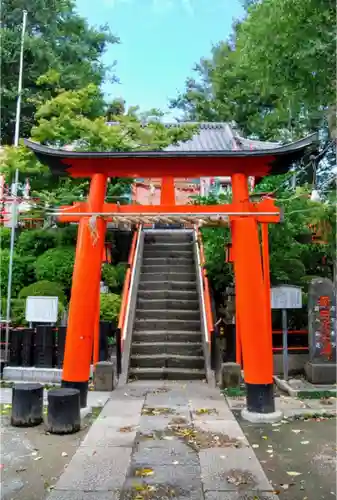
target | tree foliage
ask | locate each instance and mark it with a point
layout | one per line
(23, 272)
(275, 76)
(56, 265)
(58, 41)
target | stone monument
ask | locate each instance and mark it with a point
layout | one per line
(321, 367)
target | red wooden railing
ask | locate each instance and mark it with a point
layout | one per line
(206, 287)
(127, 282)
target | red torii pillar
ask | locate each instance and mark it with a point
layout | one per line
(252, 305)
(85, 293)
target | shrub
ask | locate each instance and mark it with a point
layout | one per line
(5, 237)
(67, 236)
(109, 307)
(56, 265)
(17, 313)
(44, 289)
(114, 276)
(23, 272)
(36, 242)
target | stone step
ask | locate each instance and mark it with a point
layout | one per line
(152, 252)
(183, 348)
(165, 269)
(166, 285)
(153, 295)
(174, 336)
(168, 314)
(169, 247)
(175, 304)
(167, 374)
(176, 237)
(167, 276)
(163, 261)
(166, 361)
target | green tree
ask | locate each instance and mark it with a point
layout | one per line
(23, 272)
(57, 40)
(275, 75)
(56, 265)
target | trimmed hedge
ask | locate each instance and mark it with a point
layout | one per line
(110, 305)
(44, 289)
(23, 272)
(35, 242)
(56, 265)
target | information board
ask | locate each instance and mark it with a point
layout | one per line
(41, 309)
(286, 297)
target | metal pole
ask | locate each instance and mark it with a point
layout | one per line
(15, 187)
(285, 343)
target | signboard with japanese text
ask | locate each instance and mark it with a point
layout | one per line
(322, 320)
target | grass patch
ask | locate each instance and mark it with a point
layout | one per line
(235, 392)
(317, 394)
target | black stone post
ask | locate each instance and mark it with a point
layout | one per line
(27, 405)
(28, 346)
(64, 412)
(105, 331)
(43, 353)
(61, 342)
(15, 347)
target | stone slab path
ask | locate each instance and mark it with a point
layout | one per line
(161, 441)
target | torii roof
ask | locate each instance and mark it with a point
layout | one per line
(216, 150)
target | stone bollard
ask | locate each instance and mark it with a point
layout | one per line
(104, 376)
(64, 411)
(27, 405)
(230, 375)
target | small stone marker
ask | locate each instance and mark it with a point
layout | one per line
(321, 369)
(230, 375)
(104, 376)
(27, 405)
(64, 411)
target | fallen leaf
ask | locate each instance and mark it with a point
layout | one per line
(293, 473)
(264, 437)
(305, 442)
(64, 454)
(296, 431)
(255, 446)
(144, 472)
(34, 453)
(126, 429)
(285, 486)
(270, 451)
(37, 458)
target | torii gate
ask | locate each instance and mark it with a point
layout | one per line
(251, 264)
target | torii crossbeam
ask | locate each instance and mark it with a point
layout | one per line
(244, 217)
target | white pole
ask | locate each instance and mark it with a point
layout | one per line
(15, 188)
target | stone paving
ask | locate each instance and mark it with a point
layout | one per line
(164, 440)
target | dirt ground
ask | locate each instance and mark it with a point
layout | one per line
(32, 460)
(299, 457)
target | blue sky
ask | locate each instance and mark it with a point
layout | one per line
(161, 40)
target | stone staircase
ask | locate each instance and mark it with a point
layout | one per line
(166, 341)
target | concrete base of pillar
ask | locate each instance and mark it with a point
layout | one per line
(230, 375)
(320, 373)
(104, 376)
(261, 418)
